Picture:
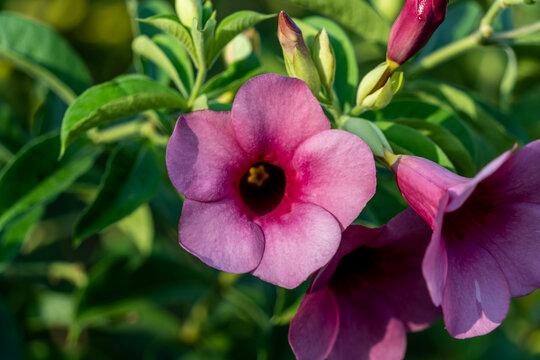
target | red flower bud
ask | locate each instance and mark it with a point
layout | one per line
(413, 28)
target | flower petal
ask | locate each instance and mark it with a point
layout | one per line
(273, 114)
(203, 155)
(511, 235)
(401, 246)
(461, 192)
(368, 329)
(352, 238)
(221, 235)
(423, 183)
(517, 179)
(297, 244)
(476, 297)
(435, 262)
(314, 328)
(337, 172)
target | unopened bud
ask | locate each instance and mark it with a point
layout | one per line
(296, 54)
(377, 87)
(187, 10)
(324, 58)
(414, 26)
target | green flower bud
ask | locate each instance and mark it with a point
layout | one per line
(324, 58)
(377, 87)
(187, 10)
(297, 58)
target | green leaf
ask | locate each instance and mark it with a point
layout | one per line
(17, 231)
(124, 96)
(171, 25)
(356, 15)
(346, 79)
(452, 147)
(179, 57)
(203, 41)
(115, 282)
(139, 227)
(233, 25)
(131, 179)
(36, 176)
(415, 109)
(405, 140)
(42, 53)
(144, 46)
(490, 136)
(234, 77)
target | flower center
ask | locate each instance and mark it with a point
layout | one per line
(262, 187)
(357, 266)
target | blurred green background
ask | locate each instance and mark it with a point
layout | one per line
(131, 292)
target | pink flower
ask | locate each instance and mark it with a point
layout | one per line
(268, 186)
(486, 235)
(413, 28)
(371, 293)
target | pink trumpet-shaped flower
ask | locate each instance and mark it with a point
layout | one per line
(413, 28)
(268, 186)
(486, 235)
(371, 293)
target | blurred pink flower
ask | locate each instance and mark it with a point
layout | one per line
(413, 28)
(370, 294)
(486, 235)
(268, 186)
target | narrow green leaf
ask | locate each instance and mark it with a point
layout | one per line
(346, 79)
(452, 147)
(17, 231)
(125, 96)
(179, 57)
(233, 25)
(203, 41)
(414, 109)
(131, 179)
(171, 25)
(35, 175)
(406, 140)
(144, 46)
(357, 16)
(491, 137)
(42, 53)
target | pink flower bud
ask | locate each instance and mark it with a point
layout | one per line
(413, 28)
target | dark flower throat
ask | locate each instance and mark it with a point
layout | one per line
(262, 187)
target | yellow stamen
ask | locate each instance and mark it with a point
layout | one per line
(258, 175)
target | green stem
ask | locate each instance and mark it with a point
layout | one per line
(444, 54)
(357, 110)
(116, 133)
(486, 28)
(510, 35)
(131, 6)
(201, 75)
